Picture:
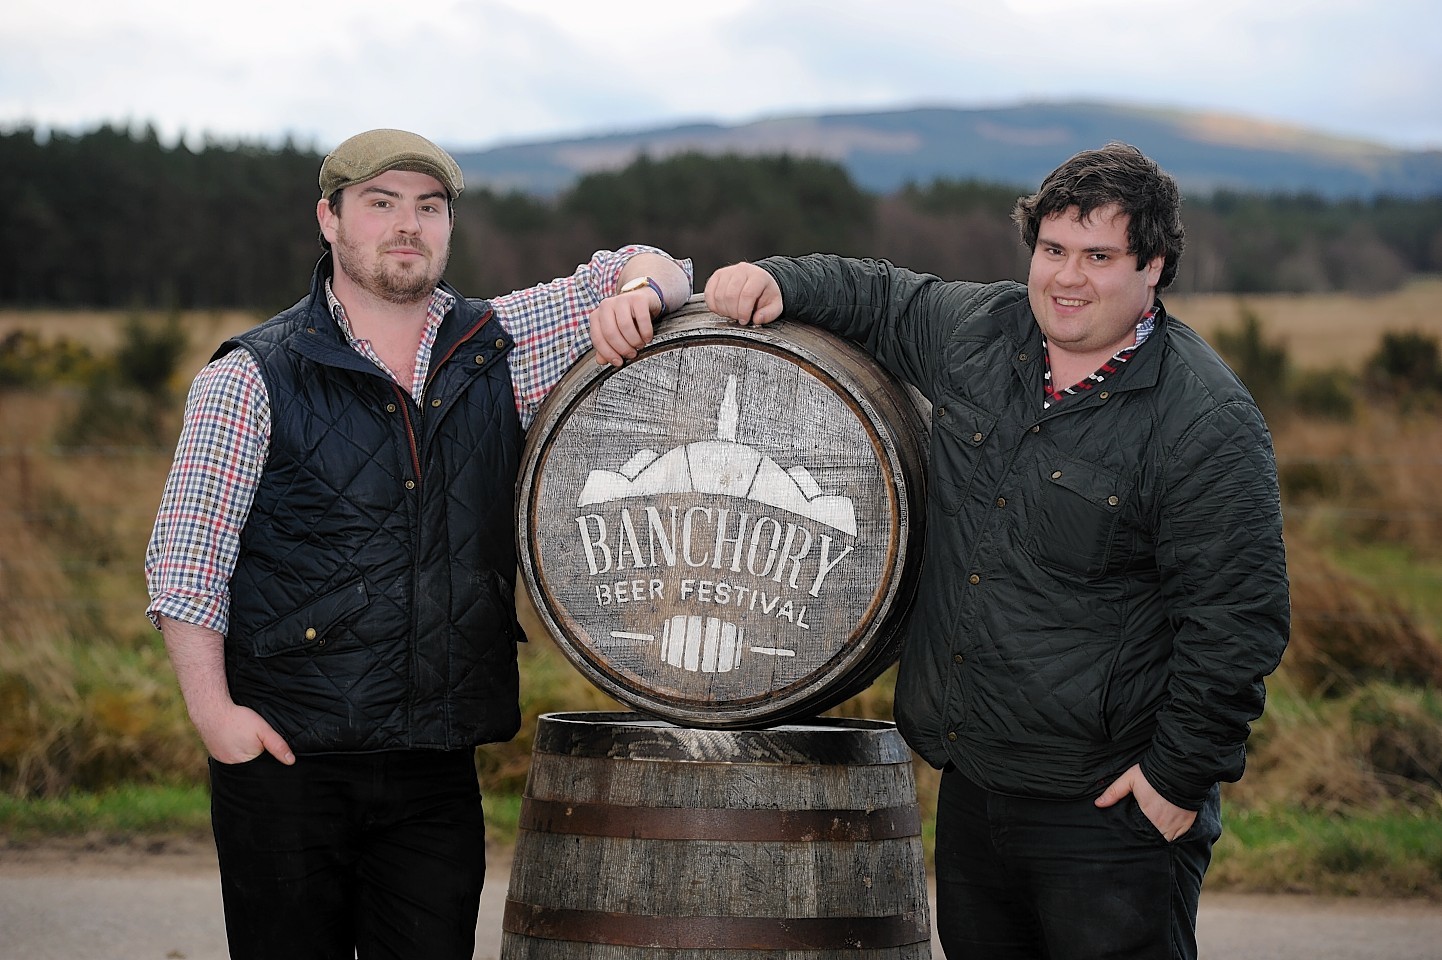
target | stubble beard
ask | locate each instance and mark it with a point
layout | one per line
(386, 279)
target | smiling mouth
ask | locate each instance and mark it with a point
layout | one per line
(1064, 302)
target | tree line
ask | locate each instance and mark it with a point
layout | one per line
(114, 218)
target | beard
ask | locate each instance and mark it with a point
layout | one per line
(386, 279)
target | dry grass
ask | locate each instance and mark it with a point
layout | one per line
(86, 694)
(1322, 331)
(102, 330)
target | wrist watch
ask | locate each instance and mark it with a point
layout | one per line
(640, 282)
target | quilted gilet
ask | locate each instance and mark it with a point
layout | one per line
(1104, 582)
(372, 604)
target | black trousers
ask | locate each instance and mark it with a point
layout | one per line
(350, 855)
(1065, 880)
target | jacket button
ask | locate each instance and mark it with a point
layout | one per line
(959, 658)
(951, 736)
(974, 579)
(1105, 394)
(1001, 501)
(1056, 475)
(500, 344)
(1022, 357)
(436, 402)
(1036, 428)
(1113, 501)
(480, 359)
(410, 484)
(390, 408)
(941, 411)
(976, 438)
(310, 633)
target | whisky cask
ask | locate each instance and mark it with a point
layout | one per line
(725, 532)
(642, 840)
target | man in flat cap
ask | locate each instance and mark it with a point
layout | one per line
(332, 564)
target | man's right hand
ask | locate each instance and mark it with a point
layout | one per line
(236, 734)
(745, 293)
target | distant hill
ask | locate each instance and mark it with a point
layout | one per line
(1017, 145)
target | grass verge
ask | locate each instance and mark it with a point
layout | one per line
(1280, 851)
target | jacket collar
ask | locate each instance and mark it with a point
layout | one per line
(327, 342)
(1019, 325)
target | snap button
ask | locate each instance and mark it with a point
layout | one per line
(959, 658)
(310, 633)
(410, 484)
(1056, 475)
(1105, 394)
(390, 408)
(1022, 357)
(1113, 501)
(976, 438)
(436, 402)
(500, 344)
(480, 359)
(951, 736)
(1001, 501)
(973, 579)
(1036, 428)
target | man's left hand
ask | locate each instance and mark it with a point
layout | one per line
(621, 325)
(1170, 820)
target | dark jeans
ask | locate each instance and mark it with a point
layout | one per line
(360, 855)
(1065, 880)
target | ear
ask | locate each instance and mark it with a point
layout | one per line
(327, 219)
(1154, 270)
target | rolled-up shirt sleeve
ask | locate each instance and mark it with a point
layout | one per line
(224, 441)
(550, 322)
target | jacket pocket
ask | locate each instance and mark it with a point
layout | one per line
(960, 431)
(311, 625)
(1075, 524)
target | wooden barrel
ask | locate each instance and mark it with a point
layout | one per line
(726, 531)
(641, 840)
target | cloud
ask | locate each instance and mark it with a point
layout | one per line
(474, 74)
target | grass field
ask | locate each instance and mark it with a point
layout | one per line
(1319, 330)
(1344, 786)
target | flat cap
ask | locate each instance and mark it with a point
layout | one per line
(372, 153)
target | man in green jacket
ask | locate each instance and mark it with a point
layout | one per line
(1104, 587)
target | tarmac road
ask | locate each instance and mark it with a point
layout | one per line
(103, 904)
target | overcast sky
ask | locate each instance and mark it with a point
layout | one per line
(476, 74)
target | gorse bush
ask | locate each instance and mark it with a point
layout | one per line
(127, 401)
(27, 360)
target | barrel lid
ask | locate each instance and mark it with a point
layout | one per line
(724, 532)
(617, 735)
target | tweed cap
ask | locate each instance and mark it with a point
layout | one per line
(372, 153)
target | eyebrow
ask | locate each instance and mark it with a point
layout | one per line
(1099, 248)
(433, 195)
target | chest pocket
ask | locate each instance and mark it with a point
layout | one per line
(960, 433)
(1075, 526)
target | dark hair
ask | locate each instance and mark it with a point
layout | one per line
(1120, 174)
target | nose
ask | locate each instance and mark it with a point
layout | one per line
(1069, 274)
(409, 223)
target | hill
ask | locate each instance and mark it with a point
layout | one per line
(883, 151)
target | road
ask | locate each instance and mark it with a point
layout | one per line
(92, 902)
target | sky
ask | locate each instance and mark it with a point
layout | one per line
(482, 73)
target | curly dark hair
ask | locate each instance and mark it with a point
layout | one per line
(1120, 174)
